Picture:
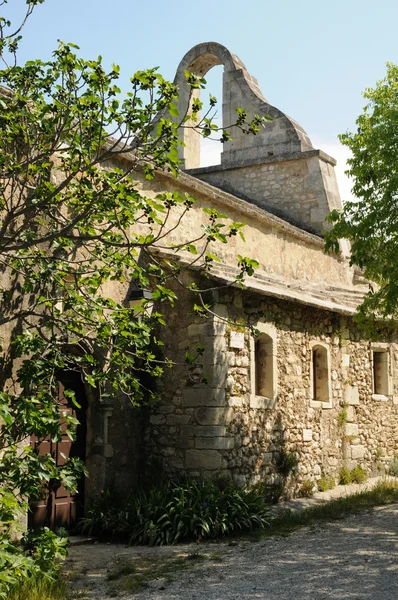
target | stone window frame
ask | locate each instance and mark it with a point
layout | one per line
(256, 401)
(327, 404)
(381, 347)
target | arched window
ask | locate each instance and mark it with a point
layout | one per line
(263, 368)
(320, 377)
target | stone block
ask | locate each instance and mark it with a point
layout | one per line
(210, 431)
(178, 419)
(185, 441)
(351, 414)
(203, 397)
(351, 430)
(262, 402)
(157, 419)
(213, 416)
(307, 435)
(235, 401)
(345, 360)
(351, 394)
(200, 329)
(202, 459)
(357, 452)
(215, 443)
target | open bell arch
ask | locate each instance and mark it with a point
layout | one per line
(240, 89)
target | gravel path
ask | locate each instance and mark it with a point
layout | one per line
(353, 559)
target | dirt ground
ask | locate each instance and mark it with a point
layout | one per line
(353, 559)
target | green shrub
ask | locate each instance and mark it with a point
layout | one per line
(32, 566)
(326, 482)
(358, 474)
(345, 476)
(174, 511)
(343, 415)
(393, 467)
(355, 475)
(38, 588)
(286, 462)
(307, 489)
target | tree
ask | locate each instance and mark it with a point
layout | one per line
(371, 222)
(74, 224)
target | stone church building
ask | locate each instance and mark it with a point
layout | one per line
(306, 384)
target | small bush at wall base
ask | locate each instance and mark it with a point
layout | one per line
(174, 511)
(326, 482)
(307, 489)
(286, 463)
(393, 467)
(358, 474)
(345, 476)
(355, 475)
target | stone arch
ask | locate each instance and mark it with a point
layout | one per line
(240, 89)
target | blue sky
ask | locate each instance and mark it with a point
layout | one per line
(312, 59)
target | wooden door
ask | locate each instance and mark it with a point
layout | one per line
(58, 507)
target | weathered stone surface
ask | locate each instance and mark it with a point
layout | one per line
(261, 402)
(203, 397)
(351, 414)
(351, 394)
(213, 416)
(216, 443)
(351, 429)
(357, 452)
(210, 430)
(202, 459)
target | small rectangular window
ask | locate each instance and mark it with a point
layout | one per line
(320, 374)
(380, 372)
(264, 376)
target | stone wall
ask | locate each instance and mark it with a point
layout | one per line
(301, 187)
(223, 429)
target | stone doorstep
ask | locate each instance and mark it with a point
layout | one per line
(340, 491)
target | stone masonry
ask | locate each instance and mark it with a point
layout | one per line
(220, 429)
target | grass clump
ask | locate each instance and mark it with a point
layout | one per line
(355, 475)
(359, 474)
(384, 493)
(345, 476)
(287, 462)
(175, 511)
(325, 483)
(307, 489)
(130, 575)
(393, 467)
(38, 588)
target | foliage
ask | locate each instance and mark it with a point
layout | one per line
(32, 565)
(77, 230)
(307, 488)
(393, 467)
(370, 222)
(342, 416)
(355, 475)
(326, 482)
(175, 511)
(287, 462)
(359, 474)
(384, 493)
(345, 476)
